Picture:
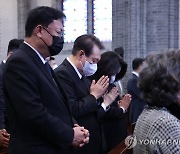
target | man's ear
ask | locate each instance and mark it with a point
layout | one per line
(38, 31)
(80, 54)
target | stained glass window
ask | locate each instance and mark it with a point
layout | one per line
(103, 19)
(76, 19)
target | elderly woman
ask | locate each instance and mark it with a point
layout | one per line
(157, 130)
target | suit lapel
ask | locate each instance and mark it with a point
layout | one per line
(43, 68)
(62, 93)
(46, 73)
(38, 63)
(76, 78)
(60, 89)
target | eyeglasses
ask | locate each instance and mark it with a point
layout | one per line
(60, 33)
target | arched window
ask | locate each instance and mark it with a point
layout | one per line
(100, 14)
(102, 11)
(76, 19)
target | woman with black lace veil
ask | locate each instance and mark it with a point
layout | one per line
(114, 122)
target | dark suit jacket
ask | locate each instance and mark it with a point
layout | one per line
(38, 111)
(137, 104)
(2, 105)
(115, 128)
(2, 65)
(114, 124)
(4, 123)
(84, 106)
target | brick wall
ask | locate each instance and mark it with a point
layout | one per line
(142, 26)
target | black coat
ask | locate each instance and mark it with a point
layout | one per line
(83, 105)
(2, 105)
(4, 123)
(114, 123)
(137, 104)
(2, 65)
(38, 111)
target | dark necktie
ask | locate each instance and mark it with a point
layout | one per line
(48, 67)
(82, 78)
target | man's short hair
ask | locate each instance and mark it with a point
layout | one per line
(43, 15)
(14, 45)
(136, 63)
(86, 43)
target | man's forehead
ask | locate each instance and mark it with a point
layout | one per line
(96, 54)
(96, 50)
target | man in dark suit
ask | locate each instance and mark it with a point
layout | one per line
(38, 111)
(137, 104)
(2, 107)
(4, 125)
(12, 47)
(4, 136)
(83, 95)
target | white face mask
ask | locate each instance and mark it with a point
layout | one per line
(89, 69)
(112, 79)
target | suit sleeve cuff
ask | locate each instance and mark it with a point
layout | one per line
(124, 110)
(104, 107)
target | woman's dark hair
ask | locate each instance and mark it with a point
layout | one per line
(86, 42)
(119, 51)
(43, 15)
(159, 81)
(109, 64)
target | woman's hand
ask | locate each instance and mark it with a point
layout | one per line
(110, 97)
(125, 101)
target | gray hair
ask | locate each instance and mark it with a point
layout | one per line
(159, 81)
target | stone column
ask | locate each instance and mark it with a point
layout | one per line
(8, 24)
(25, 5)
(23, 8)
(90, 25)
(142, 26)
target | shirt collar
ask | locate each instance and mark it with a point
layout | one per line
(135, 73)
(42, 59)
(75, 68)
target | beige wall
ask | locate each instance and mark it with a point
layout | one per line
(35, 3)
(14, 11)
(8, 24)
(9, 20)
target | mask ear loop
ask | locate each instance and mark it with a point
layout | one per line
(44, 42)
(81, 64)
(49, 34)
(47, 31)
(82, 54)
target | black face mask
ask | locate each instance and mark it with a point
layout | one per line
(56, 46)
